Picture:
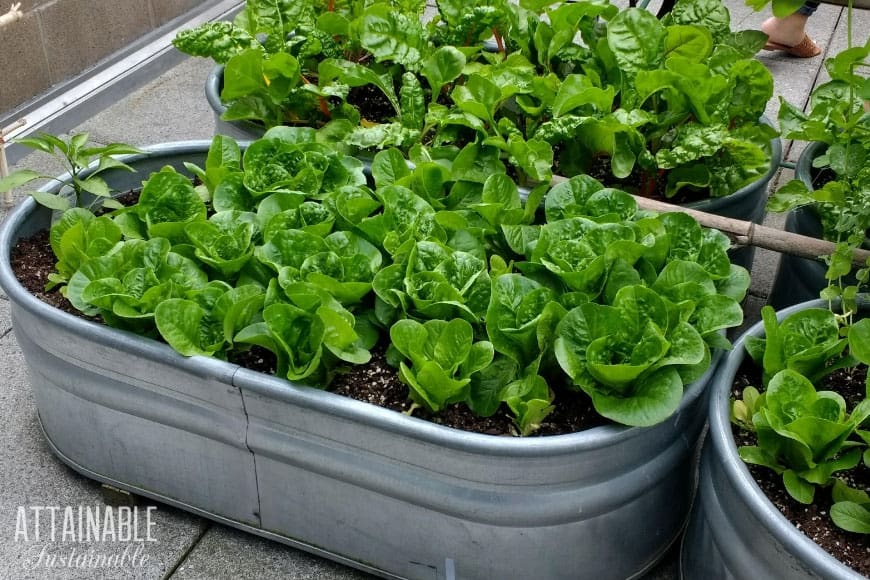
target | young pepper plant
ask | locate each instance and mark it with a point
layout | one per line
(75, 154)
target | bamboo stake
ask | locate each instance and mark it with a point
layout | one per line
(745, 233)
(4, 165)
(13, 15)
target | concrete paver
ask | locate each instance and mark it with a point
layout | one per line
(31, 477)
(227, 553)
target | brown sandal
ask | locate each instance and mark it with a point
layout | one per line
(806, 48)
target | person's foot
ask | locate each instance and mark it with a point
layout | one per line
(788, 35)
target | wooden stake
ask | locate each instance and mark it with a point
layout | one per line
(4, 165)
(745, 233)
(13, 15)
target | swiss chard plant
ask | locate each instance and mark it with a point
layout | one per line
(675, 104)
(479, 296)
(313, 63)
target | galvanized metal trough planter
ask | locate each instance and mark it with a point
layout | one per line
(735, 532)
(389, 494)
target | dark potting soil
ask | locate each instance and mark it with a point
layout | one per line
(376, 382)
(814, 520)
(652, 186)
(32, 261)
(372, 104)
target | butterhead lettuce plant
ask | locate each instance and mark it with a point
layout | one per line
(809, 435)
(479, 295)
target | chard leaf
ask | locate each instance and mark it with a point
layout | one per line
(476, 163)
(637, 40)
(479, 96)
(356, 75)
(441, 67)
(412, 102)
(753, 88)
(578, 91)
(389, 166)
(392, 35)
(278, 18)
(219, 41)
(692, 142)
(690, 41)
(710, 14)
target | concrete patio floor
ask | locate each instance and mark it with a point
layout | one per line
(172, 107)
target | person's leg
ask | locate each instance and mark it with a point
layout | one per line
(789, 34)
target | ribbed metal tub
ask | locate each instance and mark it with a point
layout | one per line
(735, 532)
(421, 500)
(374, 489)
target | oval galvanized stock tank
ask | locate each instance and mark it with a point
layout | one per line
(374, 489)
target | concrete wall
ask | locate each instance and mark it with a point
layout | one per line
(58, 39)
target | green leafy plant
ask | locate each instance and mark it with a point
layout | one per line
(486, 298)
(76, 155)
(804, 434)
(838, 119)
(296, 63)
(808, 342)
(685, 110)
(443, 357)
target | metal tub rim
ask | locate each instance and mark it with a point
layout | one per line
(275, 388)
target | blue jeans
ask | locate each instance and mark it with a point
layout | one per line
(808, 8)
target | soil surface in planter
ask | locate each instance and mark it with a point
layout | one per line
(376, 382)
(652, 186)
(372, 104)
(814, 520)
